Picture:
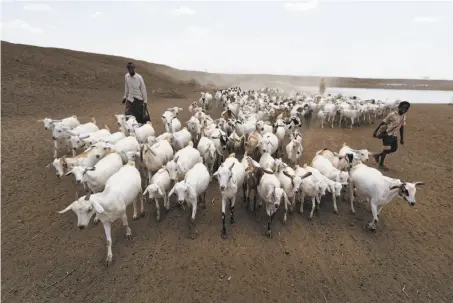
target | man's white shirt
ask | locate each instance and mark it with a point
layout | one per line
(134, 87)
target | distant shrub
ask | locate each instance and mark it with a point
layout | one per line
(193, 82)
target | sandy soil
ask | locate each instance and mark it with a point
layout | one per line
(333, 258)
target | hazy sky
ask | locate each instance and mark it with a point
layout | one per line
(360, 38)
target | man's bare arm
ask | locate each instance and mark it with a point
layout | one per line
(402, 134)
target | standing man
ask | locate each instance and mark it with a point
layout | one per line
(135, 95)
(394, 121)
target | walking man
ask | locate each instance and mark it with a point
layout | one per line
(135, 95)
(394, 121)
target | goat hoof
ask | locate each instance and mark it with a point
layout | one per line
(158, 219)
(108, 261)
(134, 217)
(371, 227)
(269, 235)
(335, 211)
(192, 235)
(232, 221)
(95, 221)
(129, 237)
(224, 235)
(142, 214)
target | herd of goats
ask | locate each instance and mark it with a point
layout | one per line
(115, 167)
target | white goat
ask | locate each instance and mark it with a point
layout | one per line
(290, 182)
(80, 132)
(194, 127)
(208, 151)
(371, 185)
(294, 151)
(263, 127)
(352, 114)
(326, 168)
(181, 139)
(61, 133)
(271, 193)
(88, 139)
(87, 159)
(192, 190)
(143, 132)
(158, 188)
(205, 101)
(333, 187)
(183, 161)
(312, 188)
(96, 176)
(339, 162)
(359, 154)
(113, 138)
(128, 144)
(111, 203)
(70, 122)
(171, 121)
(269, 143)
(154, 156)
(267, 162)
(230, 176)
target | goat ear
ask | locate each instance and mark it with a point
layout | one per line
(308, 174)
(68, 173)
(97, 207)
(215, 174)
(191, 191)
(394, 187)
(66, 209)
(288, 175)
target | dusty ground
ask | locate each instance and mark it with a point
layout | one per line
(330, 259)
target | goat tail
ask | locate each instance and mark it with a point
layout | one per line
(107, 128)
(321, 151)
(93, 120)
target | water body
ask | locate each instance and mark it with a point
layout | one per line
(413, 96)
